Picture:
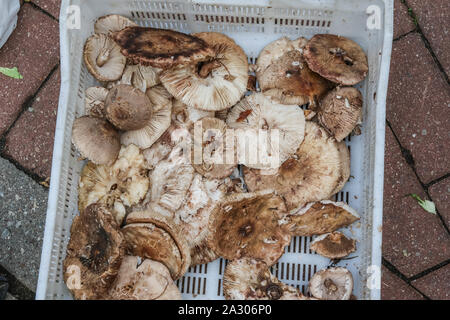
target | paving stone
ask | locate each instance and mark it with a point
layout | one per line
(440, 193)
(413, 239)
(435, 285)
(33, 48)
(30, 141)
(403, 23)
(51, 6)
(418, 107)
(433, 17)
(23, 205)
(394, 288)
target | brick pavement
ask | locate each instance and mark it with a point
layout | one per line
(416, 250)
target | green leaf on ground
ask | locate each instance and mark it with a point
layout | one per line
(427, 205)
(11, 72)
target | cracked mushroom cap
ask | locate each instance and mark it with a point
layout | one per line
(160, 48)
(213, 155)
(249, 225)
(96, 139)
(119, 186)
(145, 137)
(336, 58)
(149, 241)
(94, 253)
(345, 166)
(332, 284)
(322, 217)
(128, 108)
(340, 111)
(185, 115)
(256, 113)
(167, 224)
(312, 174)
(112, 23)
(284, 76)
(94, 101)
(334, 245)
(250, 279)
(138, 76)
(214, 84)
(103, 58)
(143, 280)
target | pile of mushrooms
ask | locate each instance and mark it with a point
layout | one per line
(151, 205)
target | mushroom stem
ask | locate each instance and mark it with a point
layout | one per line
(103, 57)
(206, 68)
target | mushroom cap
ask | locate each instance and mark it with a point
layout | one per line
(340, 111)
(153, 129)
(168, 225)
(94, 252)
(143, 280)
(334, 245)
(112, 23)
(103, 58)
(248, 225)
(310, 175)
(275, 50)
(123, 184)
(159, 97)
(336, 58)
(332, 284)
(94, 101)
(213, 156)
(256, 113)
(128, 108)
(138, 76)
(212, 85)
(345, 166)
(160, 48)
(321, 217)
(287, 78)
(185, 115)
(96, 139)
(250, 279)
(151, 242)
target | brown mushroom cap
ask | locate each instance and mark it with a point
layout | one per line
(250, 279)
(94, 253)
(96, 139)
(213, 156)
(285, 76)
(151, 242)
(94, 101)
(332, 284)
(248, 225)
(211, 85)
(336, 58)
(334, 245)
(128, 108)
(112, 23)
(321, 217)
(160, 48)
(256, 112)
(103, 58)
(311, 174)
(341, 111)
(153, 129)
(168, 225)
(119, 186)
(143, 280)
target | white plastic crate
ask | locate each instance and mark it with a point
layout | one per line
(252, 26)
